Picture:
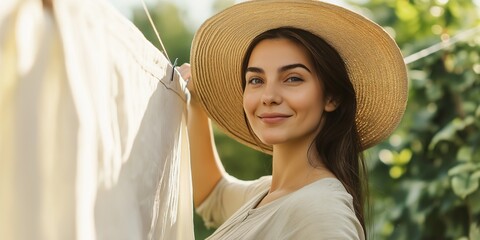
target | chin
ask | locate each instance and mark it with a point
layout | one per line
(272, 140)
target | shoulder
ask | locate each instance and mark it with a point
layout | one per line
(323, 193)
(323, 197)
(258, 186)
(243, 190)
(323, 208)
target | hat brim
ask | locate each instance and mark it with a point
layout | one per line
(373, 60)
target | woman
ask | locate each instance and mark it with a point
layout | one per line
(311, 83)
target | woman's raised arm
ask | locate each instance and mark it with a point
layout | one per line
(207, 168)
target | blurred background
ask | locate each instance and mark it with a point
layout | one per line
(424, 179)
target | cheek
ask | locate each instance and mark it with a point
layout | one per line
(312, 107)
(249, 105)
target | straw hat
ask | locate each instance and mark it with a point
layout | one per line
(373, 60)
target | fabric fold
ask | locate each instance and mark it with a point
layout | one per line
(92, 133)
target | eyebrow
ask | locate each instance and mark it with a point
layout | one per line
(292, 66)
(282, 69)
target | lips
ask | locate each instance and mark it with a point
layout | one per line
(272, 118)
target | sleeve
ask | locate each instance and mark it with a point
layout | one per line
(227, 197)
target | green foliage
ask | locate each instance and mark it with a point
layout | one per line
(426, 184)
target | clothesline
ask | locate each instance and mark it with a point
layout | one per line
(442, 45)
(155, 29)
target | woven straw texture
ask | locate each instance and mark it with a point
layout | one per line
(374, 63)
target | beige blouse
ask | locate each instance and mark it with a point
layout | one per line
(320, 210)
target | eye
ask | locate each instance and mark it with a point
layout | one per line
(294, 79)
(255, 81)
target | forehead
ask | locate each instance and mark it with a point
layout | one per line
(278, 51)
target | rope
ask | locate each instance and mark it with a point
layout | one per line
(155, 29)
(442, 45)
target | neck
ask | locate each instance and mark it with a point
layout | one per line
(292, 169)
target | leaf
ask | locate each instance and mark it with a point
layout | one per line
(448, 133)
(396, 171)
(462, 168)
(403, 157)
(463, 185)
(475, 175)
(464, 154)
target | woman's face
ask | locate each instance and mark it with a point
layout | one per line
(283, 99)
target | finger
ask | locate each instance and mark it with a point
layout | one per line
(185, 71)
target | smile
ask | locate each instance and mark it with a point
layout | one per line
(271, 118)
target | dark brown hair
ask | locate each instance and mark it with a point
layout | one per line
(338, 143)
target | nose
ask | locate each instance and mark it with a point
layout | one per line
(271, 94)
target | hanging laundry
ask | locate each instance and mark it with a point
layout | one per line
(92, 130)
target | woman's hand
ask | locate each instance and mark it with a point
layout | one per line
(186, 73)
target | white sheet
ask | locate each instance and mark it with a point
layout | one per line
(92, 133)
